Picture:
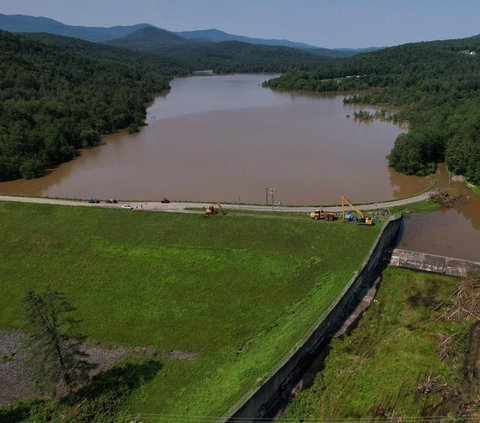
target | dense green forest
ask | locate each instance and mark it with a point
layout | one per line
(55, 99)
(437, 85)
(60, 94)
(235, 56)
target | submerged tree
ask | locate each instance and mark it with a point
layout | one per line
(55, 348)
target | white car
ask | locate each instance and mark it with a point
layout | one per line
(127, 207)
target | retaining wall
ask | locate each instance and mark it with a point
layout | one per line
(258, 403)
(432, 263)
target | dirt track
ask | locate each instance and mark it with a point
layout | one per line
(182, 207)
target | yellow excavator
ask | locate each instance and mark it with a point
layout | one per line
(214, 209)
(359, 219)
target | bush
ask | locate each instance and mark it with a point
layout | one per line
(31, 168)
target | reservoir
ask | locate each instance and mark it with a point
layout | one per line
(221, 138)
(225, 138)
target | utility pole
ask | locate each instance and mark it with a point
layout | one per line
(272, 193)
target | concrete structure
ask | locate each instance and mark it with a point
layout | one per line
(260, 402)
(432, 263)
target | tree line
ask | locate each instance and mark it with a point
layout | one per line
(60, 94)
(437, 85)
(56, 99)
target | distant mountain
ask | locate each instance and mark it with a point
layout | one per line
(22, 23)
(225, 56)
(216, 36)
(354, 51)
(149, 39)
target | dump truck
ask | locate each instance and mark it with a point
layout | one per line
(214, 209)
(322, 215)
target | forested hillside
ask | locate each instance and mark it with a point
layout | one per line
(222, 57)
(59, 94)
(55, 100)
(436, 83)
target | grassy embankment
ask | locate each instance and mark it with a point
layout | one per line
(401, 349)
(238, 291)
(424, 206)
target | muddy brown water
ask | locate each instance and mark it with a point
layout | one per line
(221, 138)
(218, 138)
(448, 232)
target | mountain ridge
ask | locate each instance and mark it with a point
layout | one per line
(216, 35)
(25, 23)
(33, 24)
(222, 57)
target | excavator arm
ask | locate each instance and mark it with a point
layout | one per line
(219, 206)
(345, 200)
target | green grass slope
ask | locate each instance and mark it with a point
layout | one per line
(238, 291)
(375, 373)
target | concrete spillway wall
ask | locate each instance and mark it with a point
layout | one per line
(432, 263)
(258, 403)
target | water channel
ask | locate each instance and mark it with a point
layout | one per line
(225, 138)
(451, 232)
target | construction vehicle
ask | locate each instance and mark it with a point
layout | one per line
(356, 216)
(322, 215)
(214, 209)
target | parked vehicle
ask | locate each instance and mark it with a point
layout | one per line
(127, 207)
(322, 215)
(112, 201)
(94, 201)
(214, 209)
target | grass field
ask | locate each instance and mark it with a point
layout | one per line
(376, 372)
(424, 206)
(237, 291)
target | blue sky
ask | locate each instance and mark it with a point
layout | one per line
(325, 23)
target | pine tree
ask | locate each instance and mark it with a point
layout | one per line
(55, 348)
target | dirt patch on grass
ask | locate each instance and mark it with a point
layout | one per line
(181, 355)
(16, 378)
(428, 298)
